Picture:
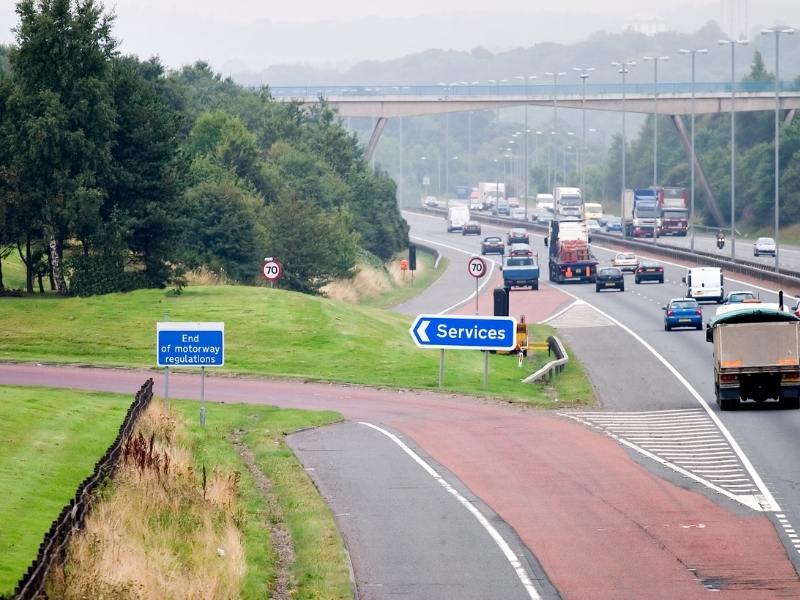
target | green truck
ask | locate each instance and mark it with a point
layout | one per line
(756, 354)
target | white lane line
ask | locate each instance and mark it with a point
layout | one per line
(767, 502)
(561, 312)
(486, 280)
(516, 564)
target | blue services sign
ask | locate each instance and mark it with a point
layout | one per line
(190, 344)
(464, 332)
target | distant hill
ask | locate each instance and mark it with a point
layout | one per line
(598, 50)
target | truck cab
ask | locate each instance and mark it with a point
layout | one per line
(521, 270)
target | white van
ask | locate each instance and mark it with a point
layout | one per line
(705, 283)
(457, 216)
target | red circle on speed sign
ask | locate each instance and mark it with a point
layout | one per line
(272, 269)
(476, 267)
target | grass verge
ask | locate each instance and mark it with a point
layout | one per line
(402, 290)
(156, 533)
(268, 332)
(46, 450)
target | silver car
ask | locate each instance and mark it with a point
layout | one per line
(764, 245)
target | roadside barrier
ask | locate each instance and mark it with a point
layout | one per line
(52, 550)
(437, 256)
(546, 373)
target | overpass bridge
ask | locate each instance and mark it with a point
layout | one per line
(383, 102)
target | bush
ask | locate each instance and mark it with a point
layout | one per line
(101, 274)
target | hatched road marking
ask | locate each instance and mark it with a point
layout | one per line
(578, 314)
(684, 440)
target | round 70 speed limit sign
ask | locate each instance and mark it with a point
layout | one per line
(272, 269)
(476, 267)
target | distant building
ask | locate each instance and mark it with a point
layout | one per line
(646, 26)
(734, 16)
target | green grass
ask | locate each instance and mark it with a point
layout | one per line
(320, 567)
(268, 332)
(46, 450)
(422, 280)
(14, 273)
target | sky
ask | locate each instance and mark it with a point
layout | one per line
(253, 34)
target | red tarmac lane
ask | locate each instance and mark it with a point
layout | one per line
(601, 525)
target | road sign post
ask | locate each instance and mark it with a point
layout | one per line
(180, 344)
(272, 270)
(458, 332)
(476, 267)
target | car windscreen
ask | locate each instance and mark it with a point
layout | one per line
(676, 214)
(570, 201)
(609, 272)
(520, 262)
(684, 304)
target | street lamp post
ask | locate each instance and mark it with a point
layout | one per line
(555, 75)
(623, 69)
(526, 79)
(777, 32)
(692, 159)
(655, 60)
(733, 140)
(584, 75)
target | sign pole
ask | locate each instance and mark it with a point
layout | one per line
(485, 369)
(441, 367)
(166, 389)
(202, 396)
(476, 296)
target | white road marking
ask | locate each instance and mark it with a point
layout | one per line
(766, 502)
(486, 279)
(512, 558)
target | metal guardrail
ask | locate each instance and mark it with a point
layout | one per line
(437, 256)
(510, 89)
(784, 277)
(52, 550)
(548, 371)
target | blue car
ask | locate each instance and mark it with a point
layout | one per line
(682, 312)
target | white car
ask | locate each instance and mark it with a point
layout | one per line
(592, 226)
(627, 261)
(764, 245)
(518, 214)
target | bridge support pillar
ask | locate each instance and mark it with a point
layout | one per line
(380, 124)
(787, 120)
(701, 176)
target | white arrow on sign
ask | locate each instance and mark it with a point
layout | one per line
(423, 325)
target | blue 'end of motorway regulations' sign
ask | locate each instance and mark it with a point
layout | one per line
(464, 332)
(190, 344)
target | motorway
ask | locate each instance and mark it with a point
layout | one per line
(653, 494)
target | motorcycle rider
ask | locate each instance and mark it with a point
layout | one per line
(720, 239)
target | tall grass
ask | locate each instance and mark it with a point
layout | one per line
(161, 529)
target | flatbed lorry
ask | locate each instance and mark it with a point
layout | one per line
(756, 354)
(570, 257)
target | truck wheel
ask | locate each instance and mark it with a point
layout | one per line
(535, 285)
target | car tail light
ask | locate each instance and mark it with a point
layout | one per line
(660, 269)
(670, 313)
(792, 376)
(698, 312)
(727, 377)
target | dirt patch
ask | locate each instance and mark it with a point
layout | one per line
(279, 532)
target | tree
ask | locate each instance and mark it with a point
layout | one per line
(65, 116)
(224, 230)
(315, 246)
(144, 181)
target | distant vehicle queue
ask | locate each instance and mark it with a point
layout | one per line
(756, 345)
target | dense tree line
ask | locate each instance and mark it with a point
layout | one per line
(116, 174)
